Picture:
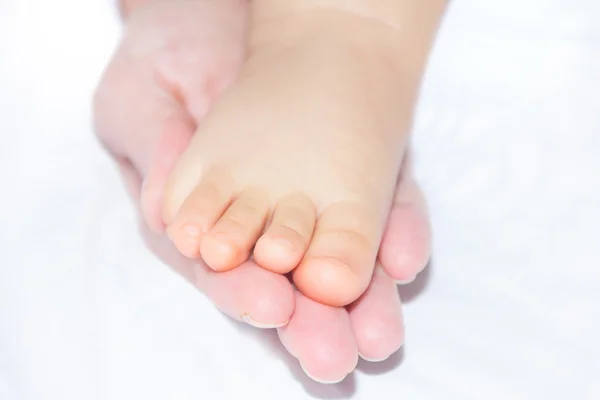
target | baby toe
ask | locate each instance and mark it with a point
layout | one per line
(283, 245)
(198, 213)
(339, 263)
(229, 242)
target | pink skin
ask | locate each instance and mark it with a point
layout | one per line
(147, 107)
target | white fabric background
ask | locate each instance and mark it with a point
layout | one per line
(507, 142)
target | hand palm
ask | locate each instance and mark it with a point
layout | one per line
(174, 59)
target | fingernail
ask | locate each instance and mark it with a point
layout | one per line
(373, 360)
(324, 382)
(251, 321)
(406, 281)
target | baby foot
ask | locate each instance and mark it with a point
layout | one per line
(297, 164)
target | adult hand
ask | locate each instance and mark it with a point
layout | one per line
(173, 61)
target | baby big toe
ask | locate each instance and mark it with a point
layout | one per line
(339, 263)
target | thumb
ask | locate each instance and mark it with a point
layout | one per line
(145, 129)
(172, 136)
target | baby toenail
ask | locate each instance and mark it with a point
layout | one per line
(284, 245)
(191, 230)
(220, 242)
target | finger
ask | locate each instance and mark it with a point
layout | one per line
(171, 142)
(131, 178)
(406, 243)
(321, 338)
(249, 293)
(138, 121)
(376, 319)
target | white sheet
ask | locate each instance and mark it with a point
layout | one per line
(507, 140)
